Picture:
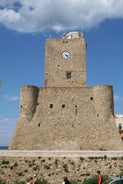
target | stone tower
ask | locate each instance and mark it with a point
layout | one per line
(65, 61)
(66, 114)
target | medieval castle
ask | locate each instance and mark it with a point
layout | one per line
(66, 114)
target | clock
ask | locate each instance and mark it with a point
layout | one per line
(65, 54)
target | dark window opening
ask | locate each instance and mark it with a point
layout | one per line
(37, 103)
(76, 109)
(120, 126)
(63, 105)
(91, 98)
(39, 124)
(65, 41)
(21, 106)
(51, 105)
(68, 74)
(98, 115)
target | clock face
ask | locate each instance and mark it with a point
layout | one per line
(65, 55)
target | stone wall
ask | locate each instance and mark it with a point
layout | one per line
(66, 119)
(53, 169)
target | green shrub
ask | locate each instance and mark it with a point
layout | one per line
(42, 181)
(15, 164)
(105, 157)
(73, 181)
(121, 173)
(85, 174)
(19, 173)
(19, 182)
(72, 163)
(93, 180)
(82, 158)
(56, 162)
(5, 162)
(47, 167)
(35, 168)
(65, 167)
(2, 181)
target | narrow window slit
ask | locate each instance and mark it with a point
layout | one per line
(76, 109)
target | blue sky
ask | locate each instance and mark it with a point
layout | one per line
(24, 27)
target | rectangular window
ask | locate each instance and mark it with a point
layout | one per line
(51, 105)
(63, 105)
(120, 126)
(68, 74)
(91, 98)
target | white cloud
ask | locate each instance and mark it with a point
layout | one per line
(40, 15)
(11, 98)
(118, 98)
(7, 126)
(4, 121)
